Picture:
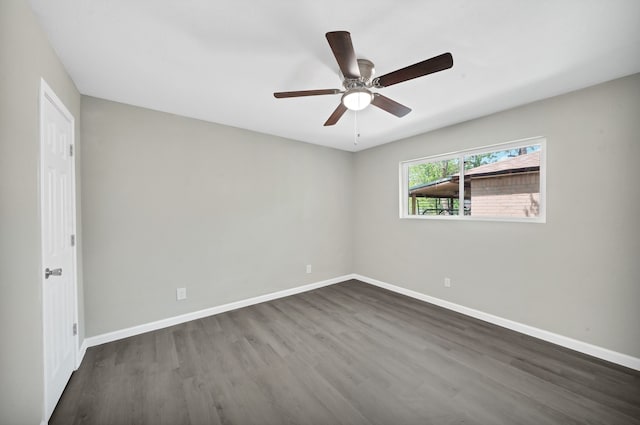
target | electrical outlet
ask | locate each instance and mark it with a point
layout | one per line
(447, 282)
(181, 293)
(308, 268)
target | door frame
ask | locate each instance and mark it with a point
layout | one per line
(48, 95)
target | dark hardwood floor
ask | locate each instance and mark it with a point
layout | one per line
(348, 353)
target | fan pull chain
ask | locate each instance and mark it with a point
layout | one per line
(356, 133)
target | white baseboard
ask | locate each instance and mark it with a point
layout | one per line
(81, 352)
(573, 344)
(171, 321)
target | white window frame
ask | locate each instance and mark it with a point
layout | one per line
(404, 181)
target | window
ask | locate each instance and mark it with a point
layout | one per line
(499, 182)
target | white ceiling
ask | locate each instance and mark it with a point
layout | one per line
(221, 61)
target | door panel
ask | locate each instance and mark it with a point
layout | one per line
(58, 217)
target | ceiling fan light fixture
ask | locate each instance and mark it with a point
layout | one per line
(357, 99)
(357, 77)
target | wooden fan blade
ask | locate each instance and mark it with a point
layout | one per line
(284, 94)
(340, 42)
(335, 116)
(389, 105)
(429, 66)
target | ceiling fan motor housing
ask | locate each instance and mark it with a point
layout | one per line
(367, 70)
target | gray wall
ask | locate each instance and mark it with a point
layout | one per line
(227, 213)
(578, 275)
(25, 57)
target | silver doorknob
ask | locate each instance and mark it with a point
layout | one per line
(55, 272)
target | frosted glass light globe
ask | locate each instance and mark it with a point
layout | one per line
(357, 99)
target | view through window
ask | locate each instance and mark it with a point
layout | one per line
(498, 182)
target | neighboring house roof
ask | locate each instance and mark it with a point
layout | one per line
(516, 164)
(433, 183)
(448, 186)
(443, 188)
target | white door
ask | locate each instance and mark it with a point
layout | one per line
(58, 251)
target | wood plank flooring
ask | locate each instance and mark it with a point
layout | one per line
(349, 353)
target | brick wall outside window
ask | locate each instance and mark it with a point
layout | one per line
(516, 195)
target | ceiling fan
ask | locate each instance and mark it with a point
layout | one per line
(358, 73)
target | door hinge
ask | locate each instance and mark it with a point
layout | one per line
(75, 329)
(73, 240)
(70, 150)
